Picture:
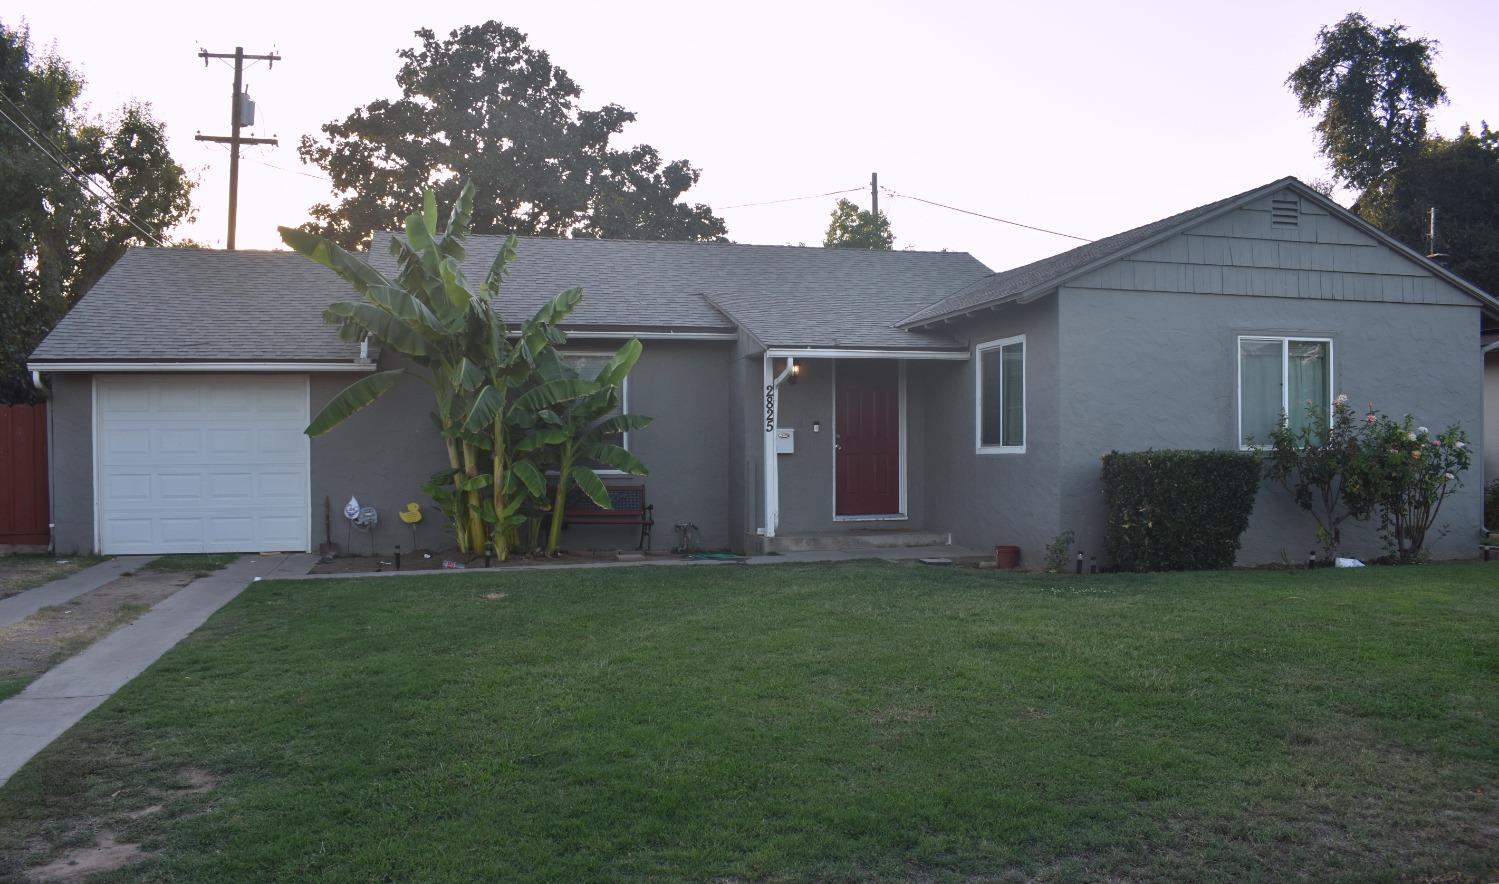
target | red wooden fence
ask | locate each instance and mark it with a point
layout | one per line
(23, 475)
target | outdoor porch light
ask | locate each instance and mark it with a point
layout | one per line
(796, 371)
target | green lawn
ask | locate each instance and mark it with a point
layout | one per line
(797, 722)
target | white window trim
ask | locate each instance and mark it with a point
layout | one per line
(624, 408)
(1285, 376)
(978, 397)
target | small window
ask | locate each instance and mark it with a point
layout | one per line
(588, 366)
(1000, 395)
(1278, 379)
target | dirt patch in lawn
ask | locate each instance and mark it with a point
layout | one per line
(53, 634)
(105, 855)
(424, 560)
(19, 573)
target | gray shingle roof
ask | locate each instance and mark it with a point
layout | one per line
(208, 305)
(1042, 274)
(783, 295)
(201, 305)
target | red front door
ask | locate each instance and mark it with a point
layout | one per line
(868, 438)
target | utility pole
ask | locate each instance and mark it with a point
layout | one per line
(874, 194)
(240, 107)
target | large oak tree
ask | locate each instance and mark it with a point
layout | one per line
(485, 107)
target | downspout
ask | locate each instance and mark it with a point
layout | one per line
(772, 419)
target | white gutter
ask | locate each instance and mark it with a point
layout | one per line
(834, 353)
(655, 336)
(772, 421)
(198, 366)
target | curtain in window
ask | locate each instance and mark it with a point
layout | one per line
(991, 370)
(1259, 389)
(1309, 381)
(1013, 431)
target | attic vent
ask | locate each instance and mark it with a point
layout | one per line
(1285, 211)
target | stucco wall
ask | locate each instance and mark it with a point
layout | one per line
(385, 453)
(1159, 370)
(72, 452)
(990, 499)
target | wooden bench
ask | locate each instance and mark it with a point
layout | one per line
(629, 505)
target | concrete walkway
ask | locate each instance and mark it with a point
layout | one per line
(59, 592)
(67, 692)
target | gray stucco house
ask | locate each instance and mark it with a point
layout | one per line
(800, 394)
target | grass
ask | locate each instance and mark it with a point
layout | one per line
(834, 722)
(13, 684)
(196, 562)
(22, 571)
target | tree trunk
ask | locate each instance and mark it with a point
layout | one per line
(475, 507)
(460, 502)
(559, 503)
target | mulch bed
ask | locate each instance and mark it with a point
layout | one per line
(426, 560)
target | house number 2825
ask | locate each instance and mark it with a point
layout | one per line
(770, 408)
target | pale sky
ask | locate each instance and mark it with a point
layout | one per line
(1084, 118)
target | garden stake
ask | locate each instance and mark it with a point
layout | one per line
(1079, 561)
(488, 551)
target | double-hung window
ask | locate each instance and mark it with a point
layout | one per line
(999, 396)
(1279, 377)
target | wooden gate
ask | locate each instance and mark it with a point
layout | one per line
(23, 475)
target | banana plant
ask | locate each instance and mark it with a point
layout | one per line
(579, 432)
(518, 386)
(428, 315)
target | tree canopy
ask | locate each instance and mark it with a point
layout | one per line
(1460, 178)
(853, 228)
(484, 106)
(1374, 88)
(57, 236)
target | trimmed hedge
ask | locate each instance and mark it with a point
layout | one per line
(1178, 510)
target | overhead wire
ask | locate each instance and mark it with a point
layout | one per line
(791, 199)
(84, 181)
(918, 199)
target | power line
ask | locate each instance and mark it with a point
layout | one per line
(982, 215)
(791, 199)
(84, 182)
(91, 185)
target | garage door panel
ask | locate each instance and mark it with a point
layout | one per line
(179, 487)
(212, 463)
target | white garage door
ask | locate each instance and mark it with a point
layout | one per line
(201, 463)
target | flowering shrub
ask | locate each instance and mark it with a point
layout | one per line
(1407, 472)
(1350, 467)
(1313, 463)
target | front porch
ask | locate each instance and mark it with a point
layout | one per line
(845, 451)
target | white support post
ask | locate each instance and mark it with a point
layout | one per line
(771, 415)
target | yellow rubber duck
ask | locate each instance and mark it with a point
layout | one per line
(411, 515)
